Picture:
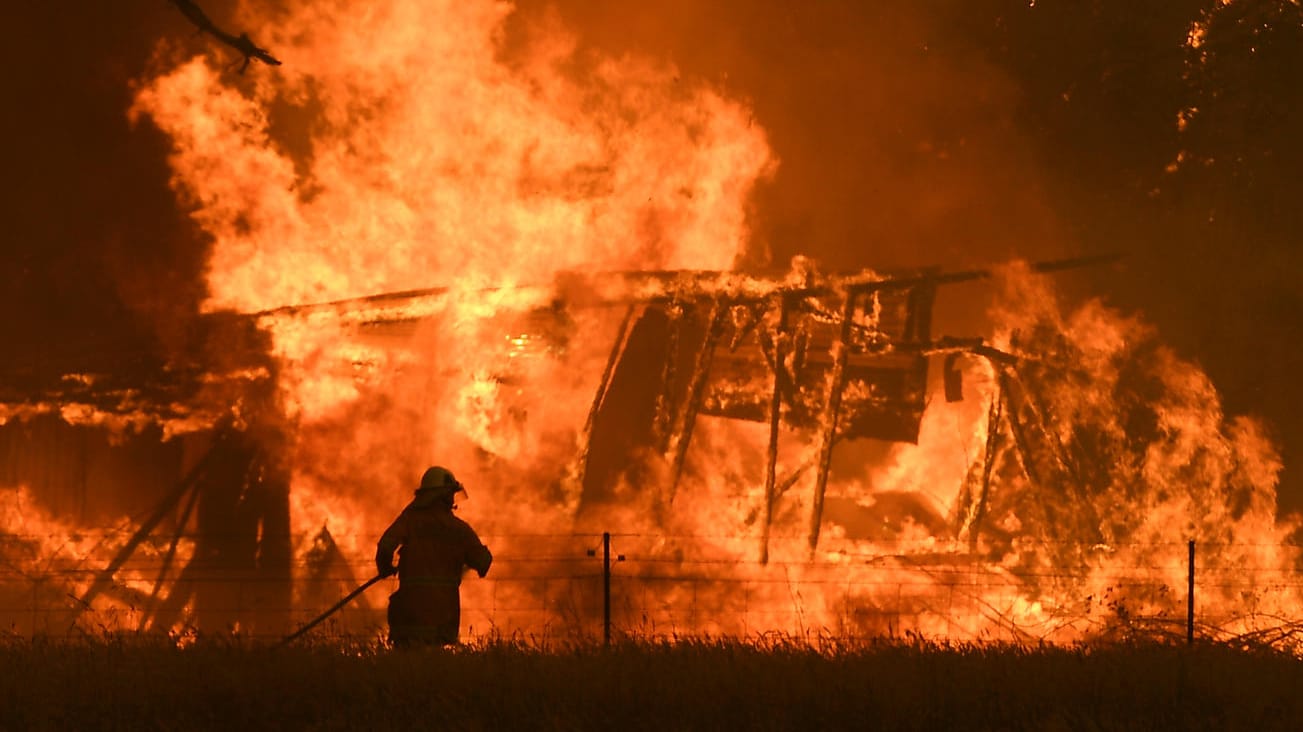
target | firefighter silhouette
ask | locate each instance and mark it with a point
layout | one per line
(434, 548)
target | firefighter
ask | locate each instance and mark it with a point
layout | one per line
(435, 548)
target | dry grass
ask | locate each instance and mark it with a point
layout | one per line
(134, 683)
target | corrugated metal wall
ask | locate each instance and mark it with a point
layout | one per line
(87, 475)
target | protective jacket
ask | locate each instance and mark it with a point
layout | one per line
(434, 548)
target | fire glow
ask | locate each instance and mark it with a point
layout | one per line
(402, 147)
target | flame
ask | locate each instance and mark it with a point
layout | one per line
(405, 146)
(432, 161)
(49, 565)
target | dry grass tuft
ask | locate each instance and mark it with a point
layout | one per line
(768, 683)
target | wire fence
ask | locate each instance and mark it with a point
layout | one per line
(587, 586)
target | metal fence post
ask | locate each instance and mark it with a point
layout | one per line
(606, 588)
(606, 584)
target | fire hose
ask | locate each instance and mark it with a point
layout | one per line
(331, 611)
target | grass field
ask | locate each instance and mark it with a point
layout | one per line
(138, 684)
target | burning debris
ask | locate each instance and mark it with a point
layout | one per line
(1100, 433)
(241, 43)
(1093, 441)
(838, 358)
(478, 256)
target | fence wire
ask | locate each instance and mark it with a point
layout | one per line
(681, 586)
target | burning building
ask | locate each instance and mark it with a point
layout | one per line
(1074, 458)
(425, 249)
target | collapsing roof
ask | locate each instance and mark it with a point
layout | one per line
(827, 357)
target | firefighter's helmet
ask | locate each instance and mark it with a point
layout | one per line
(440, 480)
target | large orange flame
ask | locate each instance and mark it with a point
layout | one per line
(403, 146)
(50, 563)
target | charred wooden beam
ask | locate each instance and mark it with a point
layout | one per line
(608, 371)
(269, 608)
(170, 555)
(978, 511)
(1019, 432)
(104, 578)
(241, 42)
(604, 289)
(170, 611)
(744, 323)
(775, 416)
(682, 435)
(666, 414)
(918, 323)
(1045, 460)
(786, 484)
(832, 409)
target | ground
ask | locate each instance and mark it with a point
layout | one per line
(130, 683)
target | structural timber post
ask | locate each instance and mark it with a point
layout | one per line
(832, 409)
(775, 416)
(687, 416)
(580, 467)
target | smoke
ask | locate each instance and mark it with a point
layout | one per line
(898, 137)
(480, 144)
(429, 161)
(901, 142)
(96, 254)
